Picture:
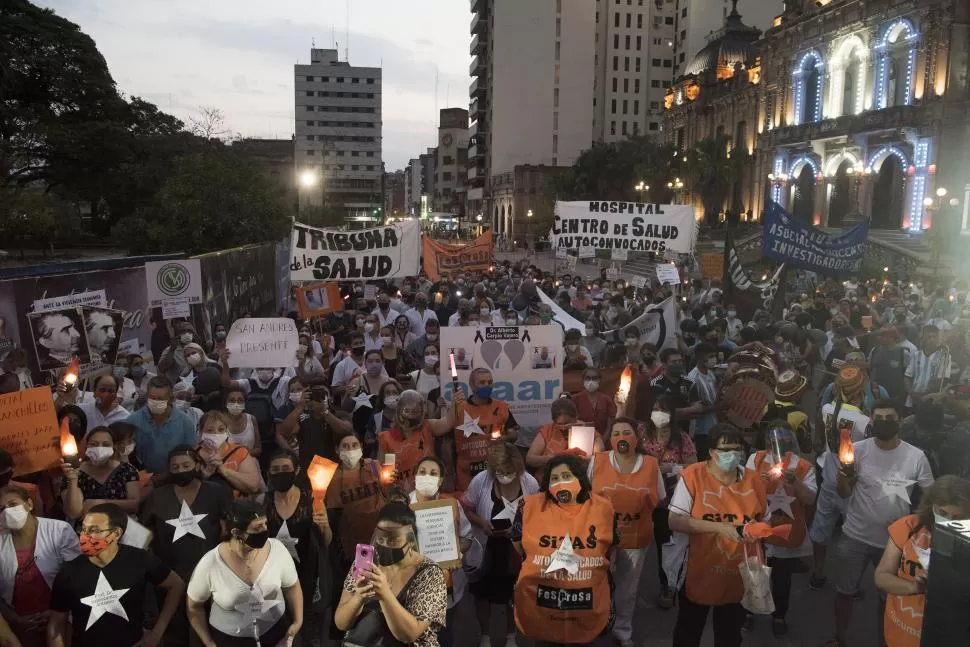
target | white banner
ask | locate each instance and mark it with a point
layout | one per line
(658, 326)
(559, 315)
(262, 343)
(368, 254)
(89, 298)
(181, 279)
(630, 226)
(525, 361)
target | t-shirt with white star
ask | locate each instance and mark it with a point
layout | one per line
(77, 581)
(877, 499)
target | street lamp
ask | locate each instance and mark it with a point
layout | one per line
(308, 178)
(641, 188)
(528, 215)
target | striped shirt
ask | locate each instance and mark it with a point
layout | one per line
(923, 370)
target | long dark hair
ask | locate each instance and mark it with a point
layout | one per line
(667, 404)
(578, 471)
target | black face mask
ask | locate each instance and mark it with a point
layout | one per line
(182, 479)
(282, 481)
(387, 556)
(257, 539)
(885, 429)
(357, 350)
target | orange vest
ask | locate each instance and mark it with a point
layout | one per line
(556, 443)
(408, 452)
(712, 561)
(634, 497)
(799, 525)
(358, 493)
(558, 607)
(472, 452)
(903, 620)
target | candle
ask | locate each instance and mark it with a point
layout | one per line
(437, 297)
(387, 474)
(776, 471)
(496, 432)
(626, 381)
(454, 371)
(73, 372)
(846, 450)
(68, 444)
(320, 472)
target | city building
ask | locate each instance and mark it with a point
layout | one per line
(697, 20)
(412, 187)
(450, 183)
(634, 66)
(395, 205)
(857, 109)
(275, 157)
(531, 95)
(338, 135)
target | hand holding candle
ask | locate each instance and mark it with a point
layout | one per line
(626, 381)
(846, 449)
(68, 444)
(73, 373)
(320, 472)
(496, 432)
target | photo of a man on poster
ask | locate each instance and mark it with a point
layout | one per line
(103, 327)
(59, 335)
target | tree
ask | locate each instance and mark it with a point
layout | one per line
(712, 172)
(211, 200)
(210, 124)
(30, 217)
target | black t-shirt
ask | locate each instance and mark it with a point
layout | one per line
(107, 604)
(316, 438)
(162, 506)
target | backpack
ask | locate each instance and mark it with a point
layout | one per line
(259, 401)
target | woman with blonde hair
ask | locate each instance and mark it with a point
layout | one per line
(225, 461)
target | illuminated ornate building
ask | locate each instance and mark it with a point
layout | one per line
(853, 108)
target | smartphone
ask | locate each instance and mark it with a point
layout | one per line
(363, 560)
(318, 394)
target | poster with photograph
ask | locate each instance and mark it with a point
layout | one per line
(318, 300)
(543, 357)
(103, 327)
(59, 336)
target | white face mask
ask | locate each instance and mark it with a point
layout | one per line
(186, 338)
(15, 518)
(182, 404)
(302, 349)
(387, 341)
(660, 418)
(391, 401)
(296, 397)
(158, 407)
(99, 455)
(368, 327)
(426, 484)
(215, 440)
(234, 408)
(511, 322)
(484, 312)
(853, 342)
(194, 359)
(591, 385)
(351, 457)
(430, 360)
(432, 336)
(505, 479)
(732, 314)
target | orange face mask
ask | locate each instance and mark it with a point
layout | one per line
(91, 546)
(566, 492)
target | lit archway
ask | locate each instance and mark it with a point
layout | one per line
(840, 198)
(833, 163)
(896, 64)
(809, 78)
(889, 194)
(849, 77)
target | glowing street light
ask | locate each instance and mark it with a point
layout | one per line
(308, 178)
(941, 192)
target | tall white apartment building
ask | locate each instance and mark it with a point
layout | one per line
(338, 135)
(531, 96)
(634, 66)
(696, 20)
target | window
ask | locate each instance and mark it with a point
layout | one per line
(627, 46)
(624, 128)
(370, 81)
(616, 20)
(665, 84)
(639, 21)
(355, 80)
(557, 50)
(309, 138)
(446, 176)
(323, 94)
(355, 153)
(741, 134)
(370, 95)
(558, 27)
(639, 43)
(555, 144)
(310, 123)
(683, 57)
(669, 20)
(683, 35)
(626, 106)
(668, 62)
(616, 63)
(655, 83)
(636, 107)
(370, 153)
(311, 152)
(310, 108)
(615, 82)
(309, 93)
(636, 127)
(655, 62)
(340, 79)
(612, 127)
(638, 63)
(626, 85)
(654, 126)
(629, 18)
(309, 79)
(656, 22)
(613, 107)
(325, 79)
(341, 95)
(355, 167)
(616, 41)
(557, 74)
(626, 63)
(341, 153)
(683, 12)
(636, 86)
(654, 105)
(555, 120)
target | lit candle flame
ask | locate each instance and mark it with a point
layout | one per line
(68, 443)
(496, 433)
(626, 381)
(846, 449)
(73, 372)
(387, 474)
(454, 371)
(320, 472)
(776, 471)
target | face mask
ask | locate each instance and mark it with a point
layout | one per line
(264, 376)
(128, 449)
(391, 401)
(483, 393)
(234, 408)
(727, 461)
(374, 369)
(186, 338)
(938, 517)
(427, 485)
(282, 481)
(572, 348)
(412, 423)
(99, 455)
(591, 385)
(484, 312)
(511, 322)
(357, 350)
(351, 457)
(660, 419)
(221, 336)
(15, 518)
(387, 341)
(257, 539)
(675, 370)
(194, 359)
(138, 371)
(621, 446)
(505, 479)
(632, 342)
(432, 336)
(215, 440)
(565, 491)
(302, 349)
(296, 397)
(384, 306)
(853, 342)
(885, 429)
(387, 556)
(430, 360)
(182, 404)
(689, 339)
(359, 322)
(118, 371)
(732, 314)
(158, 407)
(92, 546)
(182, 479)
(368, 327)
(712, 315)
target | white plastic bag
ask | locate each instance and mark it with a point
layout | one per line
(756, 577)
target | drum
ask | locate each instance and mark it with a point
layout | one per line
(749, 398)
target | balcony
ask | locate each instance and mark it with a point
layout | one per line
(477, 67)
(479, 24)
(477, 46)
(473, 128)
(887, 119)
(476, 153)
(476, 5)
(477, 89)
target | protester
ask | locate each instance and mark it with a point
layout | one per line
(101, 477)
(412, 436)
(312, 425)
(789, 391)
(427, 379)
(553, 438)
(6, 478)
(242, 425)
(309, 368)
(354, 497)
(183, 395)
(632, 482)
(225, 462)
(32, 551)
(704, 394)
(402, 596)
(554, 527)
(159, 427)
(419, 316)
(172, 363)
(432, 334)
(253, 585)
(100, 408)
(592, 403)
(103, 590)
(929, 369)
(484, 420)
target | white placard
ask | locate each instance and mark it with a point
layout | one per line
(181, 279)
(639, 281)
(633, 226)
(587, 252)
(612, 273)
(571, 263)
(668, 274)
(561, 252)
(437, 534)
(173, 308)
(361, 255)
(136, 535)
(620, 254)
(582, 437)
(370, 292)
(88, 298)
(262, 343)
(671, 256)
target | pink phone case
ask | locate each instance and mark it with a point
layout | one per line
(363, 560)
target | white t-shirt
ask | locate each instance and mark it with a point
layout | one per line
(235, 605)
(882, 492)
(425, 383)
(344, 370)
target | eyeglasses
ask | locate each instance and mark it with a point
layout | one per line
(94, 530)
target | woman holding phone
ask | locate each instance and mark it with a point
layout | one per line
(399, 594)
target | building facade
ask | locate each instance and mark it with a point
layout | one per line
(451, 181)
(338, 135)
(857, 109)
(697, 20)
